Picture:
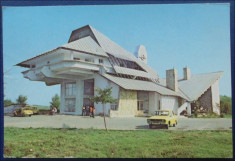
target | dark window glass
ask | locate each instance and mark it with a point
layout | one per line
(89, 87)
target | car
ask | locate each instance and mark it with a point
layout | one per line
(23, 112)
(164, 118)
(32, 108)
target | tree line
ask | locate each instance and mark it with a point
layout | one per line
(55, 101)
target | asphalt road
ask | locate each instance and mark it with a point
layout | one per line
(70, 121)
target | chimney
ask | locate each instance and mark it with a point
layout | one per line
(172, 80)
(187, 73)
(141, 53)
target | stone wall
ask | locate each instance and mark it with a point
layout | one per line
(206, 100)
(127, 104)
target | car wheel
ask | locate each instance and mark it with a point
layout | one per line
(169, 124)
(174, 125)
(175, 122)
(29, 115)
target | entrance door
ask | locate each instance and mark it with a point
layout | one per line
(87, 102)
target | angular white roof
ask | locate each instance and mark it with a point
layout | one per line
(86, 44)
(197, 85)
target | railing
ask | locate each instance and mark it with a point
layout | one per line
(183, 107)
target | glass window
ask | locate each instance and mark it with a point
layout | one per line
(70, 105)
(140, 106)
(70, 89)
(76, 58)
(162, 113)
(89, 87)
(101, 61)
(114, 106)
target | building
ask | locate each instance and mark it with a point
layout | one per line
(90, 59)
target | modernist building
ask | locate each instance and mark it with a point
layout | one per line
(90, 60)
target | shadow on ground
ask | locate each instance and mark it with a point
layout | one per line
(147, 127)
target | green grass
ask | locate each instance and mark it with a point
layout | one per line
(90, 143)
(212, 116)
(42, 107)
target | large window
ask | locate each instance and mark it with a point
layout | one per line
(89, 87)
(70, 104)
(143, 101)
(70, 89)
(140, 106)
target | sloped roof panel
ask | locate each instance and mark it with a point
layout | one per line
(198, 84)
(131, 84)
(133, 72)
(86, 44)
(116, 50)
(201, 81)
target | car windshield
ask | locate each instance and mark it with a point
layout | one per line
(162, 113)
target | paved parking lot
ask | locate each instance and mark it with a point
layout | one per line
(70, 121)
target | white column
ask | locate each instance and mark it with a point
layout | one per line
(62, 93)
(189, 109)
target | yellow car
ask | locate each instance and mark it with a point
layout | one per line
(23, 112)
(163, 118)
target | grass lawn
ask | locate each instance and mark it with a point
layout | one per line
(212, 116)
(42, 107)
(90, 143)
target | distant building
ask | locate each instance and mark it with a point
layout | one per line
(90, 59)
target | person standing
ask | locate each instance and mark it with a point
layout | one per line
(91, 111)
(83, 111)
(87, 110)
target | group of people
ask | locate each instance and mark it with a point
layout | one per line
(88, 111)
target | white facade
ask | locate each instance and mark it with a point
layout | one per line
(169, 103)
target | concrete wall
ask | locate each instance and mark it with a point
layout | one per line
(154, 102)
(206, 100)
(169, 103)
(127, 104)
(215, 97)
(99, 82)
(49, 59)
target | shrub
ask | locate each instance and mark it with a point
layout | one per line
(55, 102)
(8, 102)
(21, 99)
(196, 113)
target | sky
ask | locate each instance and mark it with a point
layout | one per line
(175, 36)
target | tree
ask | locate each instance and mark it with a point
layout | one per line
(21, 99)
(104, 96)
(55, 102)
(8, 102)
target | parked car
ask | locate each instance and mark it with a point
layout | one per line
(23, 112)
(32, 108)
(164, 118)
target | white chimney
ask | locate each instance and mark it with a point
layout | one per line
(141, 53)
(171, 79)
(187, 73)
